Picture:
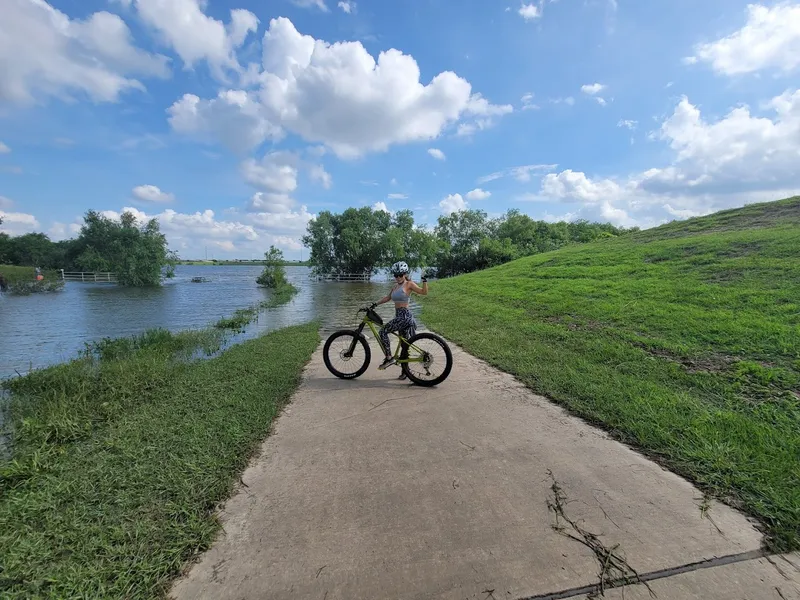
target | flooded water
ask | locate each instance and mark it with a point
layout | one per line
(43, 329)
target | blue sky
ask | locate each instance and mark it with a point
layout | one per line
(236, 128)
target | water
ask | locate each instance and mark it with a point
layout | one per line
(43, 329)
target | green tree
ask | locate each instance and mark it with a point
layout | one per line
(136, 253)
(274, 275)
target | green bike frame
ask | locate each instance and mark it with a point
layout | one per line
(370, 318)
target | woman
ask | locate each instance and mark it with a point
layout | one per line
(403, 321)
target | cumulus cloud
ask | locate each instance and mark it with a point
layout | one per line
(320, 175)
(16, 223)
(770, 39)
(45, 53)
(529, 12)
(627, 123)
(381, 206)
(527, 102)
(592, 89)
(235, 117)
(436, 153)
(348, 7)
(151, 193)
(275, 172)
(739, 159)
(334, 94)
(452, 203)
(478, 194)
(183, 26)
(246, 234)
(320, 4)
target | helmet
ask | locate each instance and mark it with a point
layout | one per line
(399, 268)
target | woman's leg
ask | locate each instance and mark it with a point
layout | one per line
(390, 327)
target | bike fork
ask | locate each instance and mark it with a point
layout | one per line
(352, 347)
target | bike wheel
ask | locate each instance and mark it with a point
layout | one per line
(349, 351)
(432, 359)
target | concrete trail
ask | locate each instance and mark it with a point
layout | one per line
(379, 489)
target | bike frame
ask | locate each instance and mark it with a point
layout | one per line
(401, 340)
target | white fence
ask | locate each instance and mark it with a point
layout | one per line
(88, 277)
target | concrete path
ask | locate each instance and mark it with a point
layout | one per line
(378, 489)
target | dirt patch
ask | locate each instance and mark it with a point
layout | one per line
(709, 363)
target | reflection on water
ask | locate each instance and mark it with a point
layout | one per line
(43, 329)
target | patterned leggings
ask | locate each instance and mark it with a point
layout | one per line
(403, 323)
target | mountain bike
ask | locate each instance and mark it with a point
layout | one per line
(425, 358)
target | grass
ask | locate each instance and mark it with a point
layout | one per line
(22, 280)
(244, 316)
(683, 341)
(121, 457)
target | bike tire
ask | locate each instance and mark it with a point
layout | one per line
(448, 354)
(360, 339)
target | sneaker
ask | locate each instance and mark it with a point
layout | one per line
(388, 362)
(403, 376)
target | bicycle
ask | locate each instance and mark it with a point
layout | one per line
(408, 353)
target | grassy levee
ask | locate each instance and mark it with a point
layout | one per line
(683, 341)
(21, 280)
(121, 457)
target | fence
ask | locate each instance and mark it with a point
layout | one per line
(361, 277)
(88, 277)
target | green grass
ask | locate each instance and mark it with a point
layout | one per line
(121, 457)
(683, 341)
(22, 280)
(244, 316)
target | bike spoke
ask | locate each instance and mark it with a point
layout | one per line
(340, 356)
(427, 359)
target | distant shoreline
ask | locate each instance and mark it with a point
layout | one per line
(244, 263)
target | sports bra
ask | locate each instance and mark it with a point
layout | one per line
(399, 294)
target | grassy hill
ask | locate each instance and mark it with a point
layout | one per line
(682, 340)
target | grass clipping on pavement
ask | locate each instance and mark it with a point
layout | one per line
(121, 458)
(683, 341)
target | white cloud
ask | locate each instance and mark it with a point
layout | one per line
(348, 7)
(529, 12)
(151, 193)
(45, 53)
(569, 100)
(318, 173)
(15, 223)
(397, 196)
(334, 94)
(275, 172)
(381, 206)
(195, 36)
(234, 117)
(601, 101)
(736, 160)
(320, 4)
(627, 123)
(592, 89)
(436, 153)
(769, 39)
(527, 102)
(478, 194)
(4, 149)
(452, 203)
(250, 234)
(522, 173)
(62, 231)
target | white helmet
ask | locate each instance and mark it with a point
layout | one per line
(399, 268)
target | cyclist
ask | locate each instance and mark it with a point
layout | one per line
(403, 321)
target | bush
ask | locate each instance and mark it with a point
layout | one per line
(273, 276)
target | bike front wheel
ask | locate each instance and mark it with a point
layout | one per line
(429, 359)
(346, 354)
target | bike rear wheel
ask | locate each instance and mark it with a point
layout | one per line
(431, 359)
(346, 354)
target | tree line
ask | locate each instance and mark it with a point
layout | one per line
(137, 253)
(363, 240)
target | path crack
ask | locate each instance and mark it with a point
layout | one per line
(614, 569)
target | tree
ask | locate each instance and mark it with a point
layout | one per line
(362, 240)
(137, 254)
(273, 276)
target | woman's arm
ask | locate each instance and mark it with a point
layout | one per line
(385, 299)
(422, 291)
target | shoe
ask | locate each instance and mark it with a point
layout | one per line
(388, 362)
(403, 376)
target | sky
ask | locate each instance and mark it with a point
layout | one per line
(235, 122)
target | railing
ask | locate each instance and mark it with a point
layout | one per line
(88, 277)
(362, 277)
